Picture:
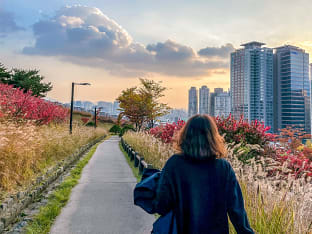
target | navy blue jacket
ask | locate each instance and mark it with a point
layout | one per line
(201, 193)
(193, 197)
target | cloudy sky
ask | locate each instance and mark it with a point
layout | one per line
(112, 43)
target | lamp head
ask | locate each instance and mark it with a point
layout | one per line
(82, 84)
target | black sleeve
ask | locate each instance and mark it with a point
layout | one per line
(164, 198)
(235, 205)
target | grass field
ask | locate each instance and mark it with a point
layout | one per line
(78, 115)
(27, 150)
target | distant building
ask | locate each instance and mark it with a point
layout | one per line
(193, 102)
(106, 107)
(252, 83)
(204, 100)
(292, 86)
(78, 104)
(174, 116)
(88, 105)
(115, 108)
(222, 105)
(212, 100)
(311, 95)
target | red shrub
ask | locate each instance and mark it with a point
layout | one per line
(17, 104)
(85, 120)
(296, 162)
(166, 132)
(241, 131)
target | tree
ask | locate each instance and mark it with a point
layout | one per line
(141, 105)
(4, 74)
(26, 80)
(152, 92)
(132, 105)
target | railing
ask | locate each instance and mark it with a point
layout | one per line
(135, 157)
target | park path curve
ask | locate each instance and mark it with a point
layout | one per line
(102, 201)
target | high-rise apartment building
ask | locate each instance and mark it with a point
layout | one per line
(204, 100)
(292, 88)
(252, 83)
(212, 100)
(222, 104)
(311, 95)
(193, 102)
(116, 108)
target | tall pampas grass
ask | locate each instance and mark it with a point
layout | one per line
(26, 149)
(274, 203)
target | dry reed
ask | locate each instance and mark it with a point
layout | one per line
(274, 204)
(26, 150)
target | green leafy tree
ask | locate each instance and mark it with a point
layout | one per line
(115, 129)
(25, 79)
(4, 73)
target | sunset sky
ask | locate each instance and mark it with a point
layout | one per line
(110, 43)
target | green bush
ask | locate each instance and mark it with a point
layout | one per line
(125, 129)
(90, 124)
(115, 129)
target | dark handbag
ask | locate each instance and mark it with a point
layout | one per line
(144, 195)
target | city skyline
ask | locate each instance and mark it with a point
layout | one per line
(182, 51)
(271, 85)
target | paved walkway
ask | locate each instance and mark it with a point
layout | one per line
(102, 202)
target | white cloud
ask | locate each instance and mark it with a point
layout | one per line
(86, 36)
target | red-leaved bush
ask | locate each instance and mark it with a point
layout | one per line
(166, 132)
(17, 104)
(296, 156)
(298, 163)
(241, 131)
(85, 120)
(238, 131)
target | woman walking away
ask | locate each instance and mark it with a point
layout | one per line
(198, 185)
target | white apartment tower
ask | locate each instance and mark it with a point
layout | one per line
(212, 100)
(204, 100)
(252, 83)
(193, 102)
(222, 105)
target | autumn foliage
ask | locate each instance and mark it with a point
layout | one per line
(252, 140)
(17, 104)
(241, 131)
(85, 120)
(237, 131)
(296, 156)
(166, 132)
(141, 104)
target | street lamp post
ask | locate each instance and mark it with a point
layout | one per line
(72, 105)
(95, 114)
(95, 117)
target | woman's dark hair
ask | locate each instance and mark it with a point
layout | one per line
(200, 139)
